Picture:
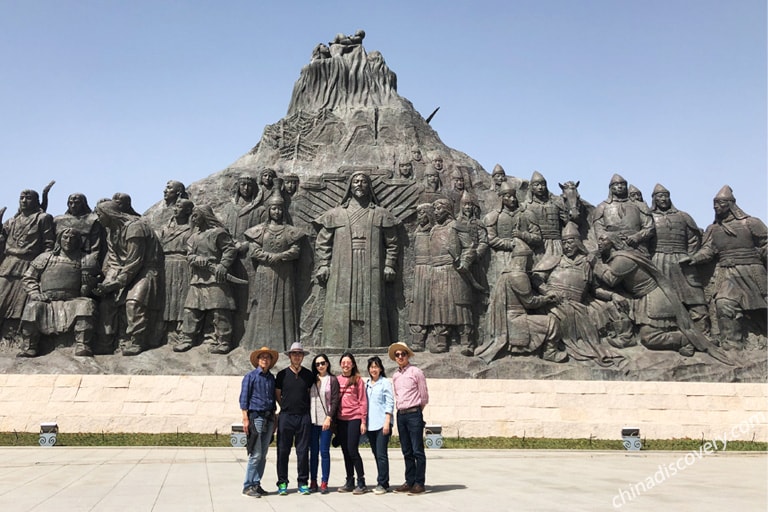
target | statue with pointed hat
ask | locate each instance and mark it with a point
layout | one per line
(469, 215)
(274, 249)
(457, 190)
(662, 321)
(432, 187)
(451, 254)
(508, 224)
(583, 309)
(516, 322)
(635, 194)
(549, 212)
(418, 305)
(737, 243)
(677, 236)
(630, 220)
(499, 176)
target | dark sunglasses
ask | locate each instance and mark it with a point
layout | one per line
(321, 363)
(401, 354)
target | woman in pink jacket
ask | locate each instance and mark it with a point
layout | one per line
(351, 418)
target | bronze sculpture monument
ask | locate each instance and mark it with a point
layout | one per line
(340, 233)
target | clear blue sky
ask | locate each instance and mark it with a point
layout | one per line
(108, 95)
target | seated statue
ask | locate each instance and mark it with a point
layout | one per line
(662, 319)
(513, 325)
(583, 309)
(80, 217)
(58, 283)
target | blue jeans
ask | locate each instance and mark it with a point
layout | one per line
(290, 428)
(379, 445)
(410, 427)
(320, 445)
(261, 428)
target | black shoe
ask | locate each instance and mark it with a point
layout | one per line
(348, 487)
(261, 491)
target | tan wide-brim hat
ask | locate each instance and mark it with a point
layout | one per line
(264, 350)
(399, 345)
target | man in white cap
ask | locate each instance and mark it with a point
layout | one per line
(257, 402)
(411, 396)
(293, 424)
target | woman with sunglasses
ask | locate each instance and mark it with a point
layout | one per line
(352, 419)
(323, 405)
(381, 405)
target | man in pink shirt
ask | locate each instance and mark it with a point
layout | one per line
(411, 396)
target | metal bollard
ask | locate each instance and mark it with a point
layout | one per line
(631, 438)
(48, 433)
(434, 436)
(238, 439)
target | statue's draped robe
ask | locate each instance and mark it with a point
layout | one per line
(357, 245)
(274, 319)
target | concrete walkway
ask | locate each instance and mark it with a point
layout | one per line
(209, 479)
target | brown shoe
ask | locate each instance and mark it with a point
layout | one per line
(416, 489)
(403, 488)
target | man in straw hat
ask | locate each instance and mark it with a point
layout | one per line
(411, 396)
(257, 401)
(294, 425)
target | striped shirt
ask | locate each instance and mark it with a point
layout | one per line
(410, 388)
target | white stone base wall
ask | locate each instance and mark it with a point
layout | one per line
(464, 408)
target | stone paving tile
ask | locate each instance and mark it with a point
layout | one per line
(36, 479)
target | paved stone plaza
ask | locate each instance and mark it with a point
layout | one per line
(209, 479)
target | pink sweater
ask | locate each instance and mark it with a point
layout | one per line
(354, 401)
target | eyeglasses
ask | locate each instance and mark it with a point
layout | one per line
(320, 363)
(401, 354)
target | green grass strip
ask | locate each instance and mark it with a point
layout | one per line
(491, 443)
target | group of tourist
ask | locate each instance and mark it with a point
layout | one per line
(318, 409)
